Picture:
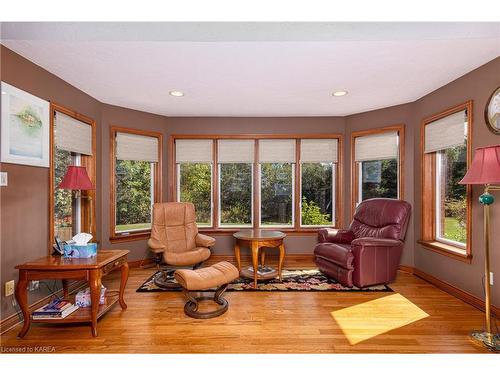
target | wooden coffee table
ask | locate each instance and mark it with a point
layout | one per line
(256, 239)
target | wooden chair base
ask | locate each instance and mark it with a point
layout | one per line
(191, 306)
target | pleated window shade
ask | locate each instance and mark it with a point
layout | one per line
(277, 151)
(235, 150)
(193, 151)
(72, 135)
(136, 147)
(318, 151)
(376, 147)
(449, 131)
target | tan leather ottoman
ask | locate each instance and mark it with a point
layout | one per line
(219, 275)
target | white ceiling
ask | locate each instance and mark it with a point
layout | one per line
(255, 69)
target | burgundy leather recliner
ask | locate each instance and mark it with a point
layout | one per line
(368, 253)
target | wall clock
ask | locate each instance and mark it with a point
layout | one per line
(492, 112)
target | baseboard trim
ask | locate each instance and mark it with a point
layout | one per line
(451, 289)
(13, 320)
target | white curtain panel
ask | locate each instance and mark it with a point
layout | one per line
(277, 150)
(235, 150)
(449, 131)
(72, 135)
(136, 147)
(318, 150)
(193, 151)
(376, 147)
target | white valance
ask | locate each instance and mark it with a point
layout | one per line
(72, 135)
(193, 151)
(235, 150)
(377, 146)
(136, 147)
(449, 131)
(318, 151)
(277, 151)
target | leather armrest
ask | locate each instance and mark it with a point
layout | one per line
(156, 246)
(372, 241)
(335, 235)
(204, 241)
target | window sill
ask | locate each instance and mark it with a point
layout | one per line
(451, 251)
(287, 231)
(130, 237)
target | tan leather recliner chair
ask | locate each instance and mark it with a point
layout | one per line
(175, 238)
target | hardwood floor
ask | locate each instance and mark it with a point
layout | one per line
(261, 322)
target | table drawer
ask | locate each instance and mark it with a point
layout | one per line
(113, 265)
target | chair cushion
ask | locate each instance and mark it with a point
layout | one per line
(187, 258)
(339, 254)
(208, 277)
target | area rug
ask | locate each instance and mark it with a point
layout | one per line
(306, 280)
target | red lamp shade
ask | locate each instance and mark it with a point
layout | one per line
(76, 178)
(485, 168)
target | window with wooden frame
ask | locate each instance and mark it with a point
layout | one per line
(289, 182)
(377, 160)
(72, 143)
(135, 182)
(446, 151)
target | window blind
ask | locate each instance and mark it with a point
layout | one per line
(318, 151)
(446, 132)
(193, 151)
(72, 135)
(236, 150)
(136, 147)
(376, 147)
(277, 151)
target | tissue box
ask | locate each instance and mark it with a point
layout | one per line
(80, 251)
(82, 298)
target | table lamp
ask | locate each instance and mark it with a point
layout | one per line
(77, 178)
(485, 170)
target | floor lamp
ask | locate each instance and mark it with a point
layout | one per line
(77, 178)
(485, 170)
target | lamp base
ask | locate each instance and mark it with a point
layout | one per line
(489, 340)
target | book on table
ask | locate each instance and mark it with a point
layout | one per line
(57, 309)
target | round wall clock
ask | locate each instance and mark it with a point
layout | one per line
(492, 112)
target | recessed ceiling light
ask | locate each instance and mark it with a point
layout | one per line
(339, 93)
(176, 93)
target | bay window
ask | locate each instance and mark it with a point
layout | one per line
(446, 203)
(377, 167)
(257, 181)
(135, 181)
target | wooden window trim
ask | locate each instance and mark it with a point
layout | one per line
(87, 161)
(136, 235)
(296, 228)
(427, 188)
(400, 128)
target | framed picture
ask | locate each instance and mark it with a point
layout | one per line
(492, 112)
(25, 128)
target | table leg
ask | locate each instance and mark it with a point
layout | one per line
(263, 257)
(65, 285)
(95, 295)
(237, 255)
(255, 261)
(123, 282)
(282, 258)
(22, 300)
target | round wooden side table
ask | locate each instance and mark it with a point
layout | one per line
(256, 239)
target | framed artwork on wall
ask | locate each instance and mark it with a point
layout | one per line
(492, 112)
(25, 129)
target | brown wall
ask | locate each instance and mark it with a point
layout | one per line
(478, 86)
(24, 203)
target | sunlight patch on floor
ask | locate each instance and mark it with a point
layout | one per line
(369, 319)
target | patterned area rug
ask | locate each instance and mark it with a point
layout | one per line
(309, 280)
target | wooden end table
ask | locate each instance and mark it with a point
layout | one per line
(256, 239)
(88, 269)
